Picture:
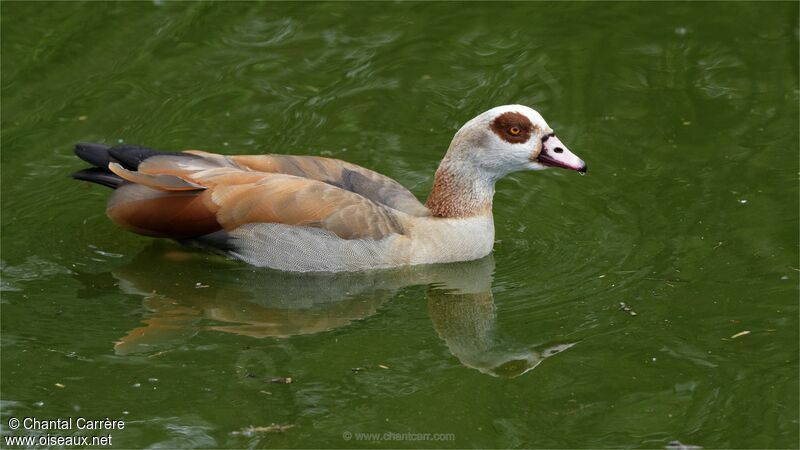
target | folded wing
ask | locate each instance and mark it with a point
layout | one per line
(196, 196)
(350, 177)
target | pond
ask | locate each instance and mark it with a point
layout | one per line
(653, 300)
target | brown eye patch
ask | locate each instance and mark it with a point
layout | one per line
(512, 127)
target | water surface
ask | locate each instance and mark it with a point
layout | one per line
(687, 115)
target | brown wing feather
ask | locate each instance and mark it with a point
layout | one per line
(235, 194)
(367, 183)
(286, 199)
(152, 212)
(161, 181)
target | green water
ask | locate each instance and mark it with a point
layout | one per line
(687, 115)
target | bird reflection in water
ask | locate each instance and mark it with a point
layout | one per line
(187, 292)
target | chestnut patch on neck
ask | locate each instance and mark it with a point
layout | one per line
(453, 195)
(512, 127)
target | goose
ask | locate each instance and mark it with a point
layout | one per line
(315, 214)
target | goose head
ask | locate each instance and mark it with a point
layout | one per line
(507, 139)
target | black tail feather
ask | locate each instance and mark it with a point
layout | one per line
(101, 155)
(99, 176)
(95, 154)
(130, 156)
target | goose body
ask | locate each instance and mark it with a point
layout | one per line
(308, 213)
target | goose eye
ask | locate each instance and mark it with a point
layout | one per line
(514, 131)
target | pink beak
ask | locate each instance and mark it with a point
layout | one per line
(556, 154)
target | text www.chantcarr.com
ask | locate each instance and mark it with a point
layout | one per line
(392, 436)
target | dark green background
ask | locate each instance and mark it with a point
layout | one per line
(687, 115)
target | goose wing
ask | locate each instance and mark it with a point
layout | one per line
(233, 192)
(350, 177)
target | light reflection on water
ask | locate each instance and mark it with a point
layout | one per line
(263, 304)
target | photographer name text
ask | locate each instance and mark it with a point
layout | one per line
(69, 423)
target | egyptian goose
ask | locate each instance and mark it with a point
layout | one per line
(308, 213)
